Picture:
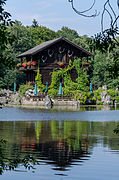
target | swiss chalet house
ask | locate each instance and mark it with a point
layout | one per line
(50, 55)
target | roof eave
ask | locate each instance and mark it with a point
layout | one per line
(54, 42)
(31, 54)
(80, 48)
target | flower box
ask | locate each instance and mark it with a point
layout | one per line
(85, 63)
(34, 63)
(61, 64)
(24, 64)
(29, 83)
(19, 64)
(29, 63)
(33, 67)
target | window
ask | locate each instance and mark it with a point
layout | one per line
(60, 58)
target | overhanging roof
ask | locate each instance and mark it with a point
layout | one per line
(47, 44)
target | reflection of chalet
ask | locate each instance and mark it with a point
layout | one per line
(49, 55)
(60, 154)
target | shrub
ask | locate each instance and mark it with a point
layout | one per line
(99, 98)
(111, 92)
(97, 92)
(52, 92)
(38, 80)
(24, 88)
(117, 98)
(100, 103)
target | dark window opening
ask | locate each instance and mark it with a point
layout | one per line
(60, 58)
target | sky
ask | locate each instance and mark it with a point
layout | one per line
(57, 13)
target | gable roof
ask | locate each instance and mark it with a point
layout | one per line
(46, 44)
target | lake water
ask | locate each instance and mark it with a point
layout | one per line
(59, 144)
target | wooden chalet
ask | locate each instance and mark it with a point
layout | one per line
(50, 55)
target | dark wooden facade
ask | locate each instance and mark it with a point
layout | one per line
(49, 55)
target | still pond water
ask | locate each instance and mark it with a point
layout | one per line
(59, 144)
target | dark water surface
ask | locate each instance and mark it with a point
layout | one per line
(59, 144)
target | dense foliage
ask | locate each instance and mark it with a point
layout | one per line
(106, 69)
(24, 88)
(17, 38)
(39, 83)
(5, 21)
(10, 77)
(40, 34)
(70, 87)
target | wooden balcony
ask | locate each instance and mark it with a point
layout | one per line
(21, 68)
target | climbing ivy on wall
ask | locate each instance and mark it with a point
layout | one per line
(39, 83)
(57, 75)
(55, 79)
(82, 80)
(69, 85)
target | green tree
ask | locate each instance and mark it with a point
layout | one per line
(5, 21)
(84, 42)
(106, 69)
(34, 23)
(11, 76)
(68, 33)
(20, 41)
(41, 34)
(99, 71)
(112, 59)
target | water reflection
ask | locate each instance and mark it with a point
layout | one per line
(61, 144)
(57, 142)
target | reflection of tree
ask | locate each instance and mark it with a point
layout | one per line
(60, 143)
(11, 163)
(38, 129)
(59, 154)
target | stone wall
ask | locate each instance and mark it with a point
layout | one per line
(9, 97)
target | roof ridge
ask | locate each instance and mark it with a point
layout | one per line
(48, 43)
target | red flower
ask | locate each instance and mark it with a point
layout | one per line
(24, 64)
(34, 63)
(87, 63)
(29, 83)
(29, 63)
(18, 65)
(61, 64)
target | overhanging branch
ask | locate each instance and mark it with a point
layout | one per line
(107, 36)
(107, 9)
(82, 13)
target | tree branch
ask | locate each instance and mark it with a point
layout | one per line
(110, 12)
(107, 36)
(82, 13)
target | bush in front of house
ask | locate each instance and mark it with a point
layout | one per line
(24, 88)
